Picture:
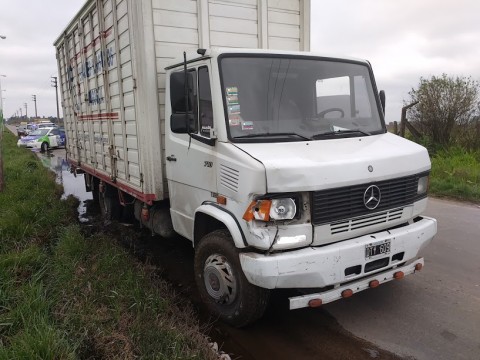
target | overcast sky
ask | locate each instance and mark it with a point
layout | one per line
(403, 40)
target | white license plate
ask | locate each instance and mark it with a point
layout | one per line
(377, 248)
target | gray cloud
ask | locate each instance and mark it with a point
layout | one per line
(404, 40)
(27, 55)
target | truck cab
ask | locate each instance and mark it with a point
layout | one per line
(281, 172)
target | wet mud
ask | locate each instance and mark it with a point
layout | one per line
(280, 334)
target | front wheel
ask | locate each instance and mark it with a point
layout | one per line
(44, 147)
(222, 284)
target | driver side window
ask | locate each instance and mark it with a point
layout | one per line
(205, 109)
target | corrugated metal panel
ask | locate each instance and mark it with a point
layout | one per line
(95, 62)
(284, 27)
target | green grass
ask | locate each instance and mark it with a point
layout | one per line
(456, 174)
(65, 295)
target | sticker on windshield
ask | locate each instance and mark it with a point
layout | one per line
(234, 120)
(233, 106)
(232, 99)
(234, 109)
(247, 125)
(232, 91)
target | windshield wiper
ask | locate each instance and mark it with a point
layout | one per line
(270, 135)
(340, 132)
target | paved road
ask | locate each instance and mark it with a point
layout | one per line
(434, 314)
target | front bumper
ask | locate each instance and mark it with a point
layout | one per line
(24, 144)
(319, 267)
(325, 297)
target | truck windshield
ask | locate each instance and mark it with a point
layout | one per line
(297, 99)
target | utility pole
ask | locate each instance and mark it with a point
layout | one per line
(26, 113)
(55, 85)
(2, 180)
(34, 98)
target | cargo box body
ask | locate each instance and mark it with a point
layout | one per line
(111, 62)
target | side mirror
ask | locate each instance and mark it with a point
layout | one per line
(178, 123)
(382, 99)
(179, 102)
(177, 92)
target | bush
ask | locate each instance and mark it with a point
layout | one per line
(456, 173)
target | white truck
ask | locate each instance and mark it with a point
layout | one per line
(273, 161)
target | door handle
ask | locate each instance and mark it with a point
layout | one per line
(171, 158)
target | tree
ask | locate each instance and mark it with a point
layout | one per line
(445, 105)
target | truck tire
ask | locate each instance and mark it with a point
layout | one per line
(110, 205)
(223, 287)
(95, 192)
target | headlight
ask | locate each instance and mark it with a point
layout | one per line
(275, 209)
(422, 187)
(283, 209)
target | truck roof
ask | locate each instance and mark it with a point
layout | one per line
(215, 52)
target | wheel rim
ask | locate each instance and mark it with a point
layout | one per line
(219, 279)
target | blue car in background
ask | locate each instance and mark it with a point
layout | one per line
(44, 139)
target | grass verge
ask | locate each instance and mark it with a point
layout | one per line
(66, 295)
(456, 174)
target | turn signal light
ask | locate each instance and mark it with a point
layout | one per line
(258, 210)
(315, 303)
(347, 293)
(419, 266)
(399, 275)
(222, 200)
(374, 283)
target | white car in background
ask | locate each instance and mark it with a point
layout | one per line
(43, 138)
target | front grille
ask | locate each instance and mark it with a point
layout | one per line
(337, 204)
(365, 221)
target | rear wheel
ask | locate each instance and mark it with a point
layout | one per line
(44, 147)
(222, 284)
(109, 204)
(94, 186)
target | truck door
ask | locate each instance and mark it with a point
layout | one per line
(190, 153)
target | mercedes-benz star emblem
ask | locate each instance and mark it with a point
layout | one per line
(371, 197)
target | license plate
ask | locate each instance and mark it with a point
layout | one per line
(378, 248)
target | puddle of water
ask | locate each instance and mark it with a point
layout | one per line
(56, 161)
